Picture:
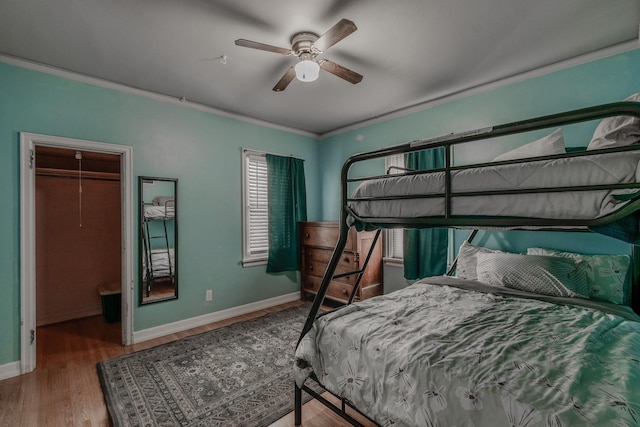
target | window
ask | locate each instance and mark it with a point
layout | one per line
(255, 230)
(394, 240)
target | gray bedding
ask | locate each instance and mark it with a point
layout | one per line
(450, 354)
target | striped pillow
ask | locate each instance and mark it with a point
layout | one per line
(540, 274)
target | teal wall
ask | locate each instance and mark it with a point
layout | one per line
(201, 149)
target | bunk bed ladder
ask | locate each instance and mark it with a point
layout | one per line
(315, 308)
(360, 272)
(326, 280)
(147, 254)
(148, 238)
(329, 275)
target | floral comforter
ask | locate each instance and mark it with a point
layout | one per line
(431, 355)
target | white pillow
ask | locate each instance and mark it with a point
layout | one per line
(540, 274)
(546, 146)
(607, 275)
(467, 260)
(617, 131)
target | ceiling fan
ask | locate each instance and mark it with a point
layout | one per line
(307, 47)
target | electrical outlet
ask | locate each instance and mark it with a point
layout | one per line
(208, 295)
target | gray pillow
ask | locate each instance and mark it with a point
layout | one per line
(467, 260)
(617, 131)
(540, 274)
(607, 275)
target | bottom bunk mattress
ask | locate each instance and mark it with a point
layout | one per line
(438, 355)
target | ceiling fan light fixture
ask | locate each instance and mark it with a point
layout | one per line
(307, 70)
(306, 46)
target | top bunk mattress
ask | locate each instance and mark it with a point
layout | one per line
(153, 212)
(575, 204)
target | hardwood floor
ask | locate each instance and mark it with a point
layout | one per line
(64, 390)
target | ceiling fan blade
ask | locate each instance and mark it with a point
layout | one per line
(340, 71)
(285, 80)
(262, 46)
(334, 34)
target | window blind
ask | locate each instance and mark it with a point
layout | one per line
(257, 219)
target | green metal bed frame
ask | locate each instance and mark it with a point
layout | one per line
(476, 222)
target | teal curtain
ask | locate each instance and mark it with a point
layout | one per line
(425, 250)
(287, 207)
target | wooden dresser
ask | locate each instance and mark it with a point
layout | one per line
(317, 242)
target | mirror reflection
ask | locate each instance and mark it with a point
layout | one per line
(158, 239)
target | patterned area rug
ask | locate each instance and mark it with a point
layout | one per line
(238, 375)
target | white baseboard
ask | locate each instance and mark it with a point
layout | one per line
(8, 370)
(183, 325)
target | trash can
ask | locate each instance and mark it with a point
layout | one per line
(110, 294)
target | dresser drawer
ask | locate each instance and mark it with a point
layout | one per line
(337, 290)
(318, 268)
(348, 259)
(323, 236)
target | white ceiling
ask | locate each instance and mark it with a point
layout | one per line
(409, 51)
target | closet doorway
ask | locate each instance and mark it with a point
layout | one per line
(76, 234)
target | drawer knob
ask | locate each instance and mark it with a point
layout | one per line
(346, 259)
(306, 235)
(311, 267)
(344, 291)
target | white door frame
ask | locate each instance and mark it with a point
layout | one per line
(28, 143)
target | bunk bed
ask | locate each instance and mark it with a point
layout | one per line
(158, 261)
(510, 339)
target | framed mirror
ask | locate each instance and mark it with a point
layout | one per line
(158, 239)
